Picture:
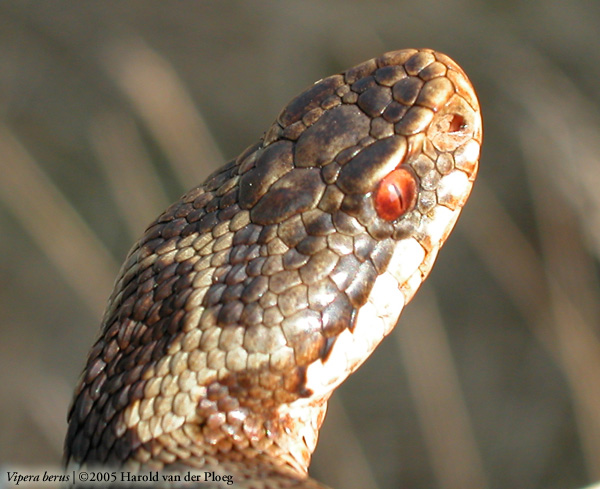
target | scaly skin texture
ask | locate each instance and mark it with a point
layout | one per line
(250, 299)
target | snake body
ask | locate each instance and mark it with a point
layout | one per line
(249, 300)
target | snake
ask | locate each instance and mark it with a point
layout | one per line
(250, 299)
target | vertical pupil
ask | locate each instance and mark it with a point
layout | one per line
(394, 190)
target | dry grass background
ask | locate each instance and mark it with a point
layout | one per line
(111, 109)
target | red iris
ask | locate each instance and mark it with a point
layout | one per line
(396, 194)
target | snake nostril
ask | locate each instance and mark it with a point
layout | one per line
(396, 194)
(457, 123)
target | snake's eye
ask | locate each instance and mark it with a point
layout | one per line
(396, 194)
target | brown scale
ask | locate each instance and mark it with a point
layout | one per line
(237, 288)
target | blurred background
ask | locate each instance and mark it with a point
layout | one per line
(110, 110)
